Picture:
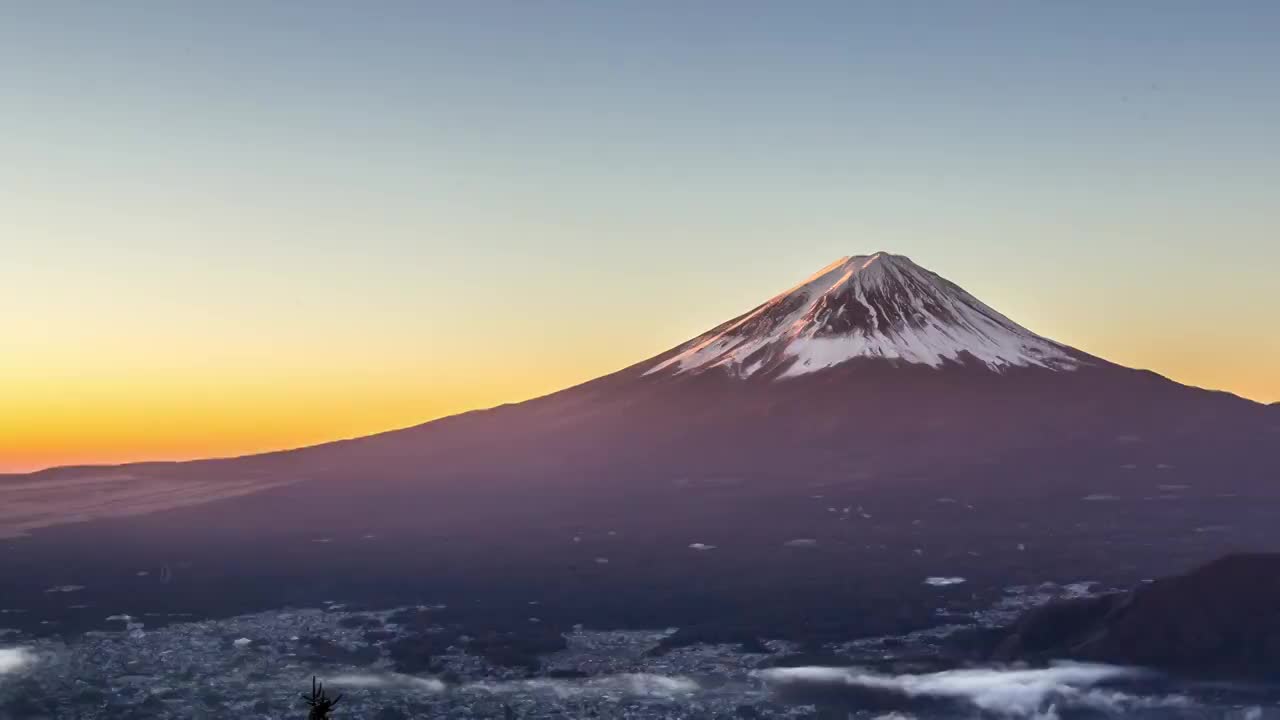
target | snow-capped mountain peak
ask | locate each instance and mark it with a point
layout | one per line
(878, 306)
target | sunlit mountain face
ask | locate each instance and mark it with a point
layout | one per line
(874, 452)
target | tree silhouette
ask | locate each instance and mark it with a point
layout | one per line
(319, 702)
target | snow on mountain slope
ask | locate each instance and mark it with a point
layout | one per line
(869, 306)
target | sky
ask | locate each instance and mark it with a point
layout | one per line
(236, 226)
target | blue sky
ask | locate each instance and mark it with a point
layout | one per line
(214, 190)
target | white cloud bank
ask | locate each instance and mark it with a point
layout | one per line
(388, 680)
(14, 659)
(1028, 693)
(632, 684)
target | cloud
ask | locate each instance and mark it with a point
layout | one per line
(646, 684)
(943, 581)
(395, 681)
(65, 588)
(14, 659)
(1029, 693)
(634, 684)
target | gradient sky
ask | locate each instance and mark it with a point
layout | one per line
(234, 226)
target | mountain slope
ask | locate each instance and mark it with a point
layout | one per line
(874, 371)
(988, 453)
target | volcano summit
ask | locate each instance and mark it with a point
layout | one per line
(868, 306)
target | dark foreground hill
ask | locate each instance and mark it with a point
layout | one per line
(1222, 619)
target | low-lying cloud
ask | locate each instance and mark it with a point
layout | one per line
(15, 659)
(1015, 693)
(395, 681)
(633, 684)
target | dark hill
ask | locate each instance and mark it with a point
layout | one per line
(1222, 619)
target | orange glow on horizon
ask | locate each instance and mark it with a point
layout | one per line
(180, 419)
(89, 421)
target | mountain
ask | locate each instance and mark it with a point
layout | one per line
(869, 428)
(1221, 619)
(879, 306)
